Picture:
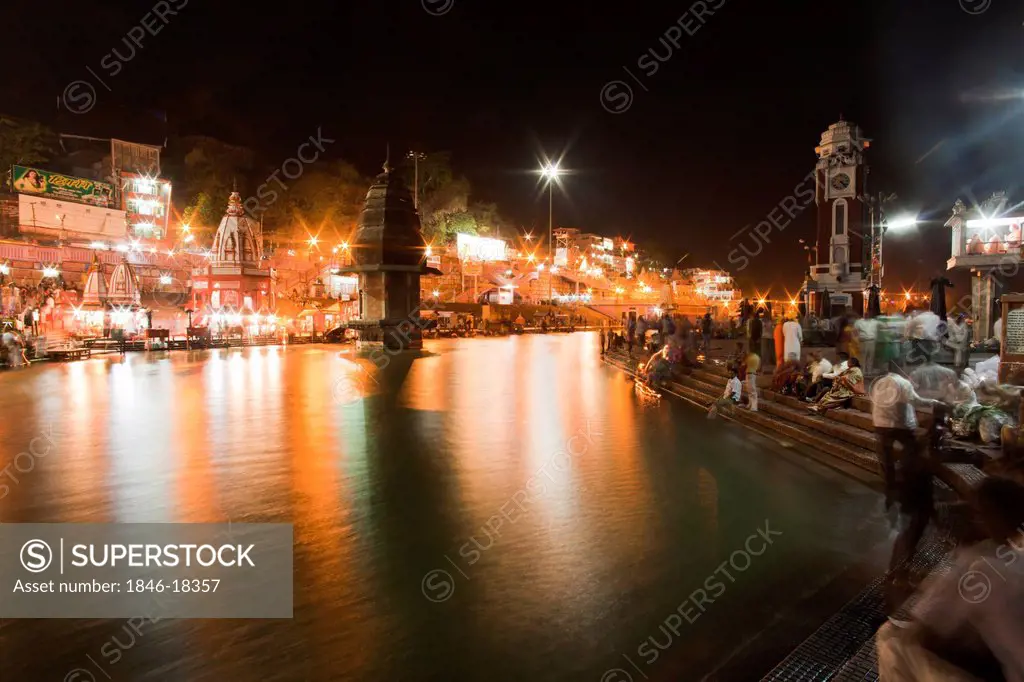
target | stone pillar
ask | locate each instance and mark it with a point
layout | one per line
(958, 240)
(985, 289)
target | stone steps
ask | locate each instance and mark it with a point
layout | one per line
(838, 427)
(781, 421)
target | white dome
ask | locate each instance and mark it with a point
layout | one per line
(95, 293)
(124, 285)
(235, 241)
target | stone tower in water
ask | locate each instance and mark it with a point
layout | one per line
(389, 256)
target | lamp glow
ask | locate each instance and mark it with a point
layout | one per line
(902, 222)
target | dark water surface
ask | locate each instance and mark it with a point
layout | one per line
(495, 509)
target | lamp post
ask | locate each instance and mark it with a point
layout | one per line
(551, 172)
(416, 158)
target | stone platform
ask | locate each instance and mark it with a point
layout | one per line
(843, 648)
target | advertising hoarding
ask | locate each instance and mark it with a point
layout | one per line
(61, 187)
(471, 247)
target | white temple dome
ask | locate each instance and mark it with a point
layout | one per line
(235, 241)
(95, 293)
(124, 285)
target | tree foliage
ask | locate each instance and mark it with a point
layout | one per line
(325, 202)
(211, 169)
(24, 143)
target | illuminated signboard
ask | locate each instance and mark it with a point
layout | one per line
(481, 248)
(608, 245)
(61, 187)
(561, 257)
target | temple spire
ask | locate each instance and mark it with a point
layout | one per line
(387, 158)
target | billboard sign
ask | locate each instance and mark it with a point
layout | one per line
(61, 187)
(471, 247)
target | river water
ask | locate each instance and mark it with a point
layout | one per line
(490, 509)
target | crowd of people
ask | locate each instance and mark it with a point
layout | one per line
(25, 314)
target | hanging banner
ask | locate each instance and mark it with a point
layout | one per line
(64, 187)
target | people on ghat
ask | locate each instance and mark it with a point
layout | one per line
(845, 386)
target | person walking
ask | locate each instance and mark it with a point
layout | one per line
(780, 343)
(968, 623)
(866, 329)
(793, 335)
(958, 340)
(909, 485)
(602, 338)
(755, 330)
(706, 326)
(753, 368)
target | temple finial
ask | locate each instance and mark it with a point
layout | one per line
(234, 184)
(387, 158)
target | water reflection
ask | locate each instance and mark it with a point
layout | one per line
(570, 516)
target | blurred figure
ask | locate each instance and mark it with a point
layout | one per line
(706, 327)
(923, 333)
(866, 330)
(786, 379)
(969, 622)
(780, 343)
(753, 367)
(755, 330)
(909, 485)
(794, 336)
(958, 340)
(824, 384)
(845, 386)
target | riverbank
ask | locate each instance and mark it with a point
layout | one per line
(842, 648)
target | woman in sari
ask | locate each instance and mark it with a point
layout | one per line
(846, 385)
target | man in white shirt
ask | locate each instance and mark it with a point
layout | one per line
(893, 400)
(731, 397)
(866, 329)
(824, 374)
(923, 332)
(969, 619)
(793, 335)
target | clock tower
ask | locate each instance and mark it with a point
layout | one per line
(844, 233)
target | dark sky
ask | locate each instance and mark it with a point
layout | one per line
(712, 141)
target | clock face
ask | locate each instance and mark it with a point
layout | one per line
(840, 181)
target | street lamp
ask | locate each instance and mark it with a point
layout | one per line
(551, 172)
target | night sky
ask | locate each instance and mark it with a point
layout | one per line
(710, 142)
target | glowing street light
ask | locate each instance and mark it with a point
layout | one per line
(551, 173)
(50, 272)
(165, 279)
(901, 223)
